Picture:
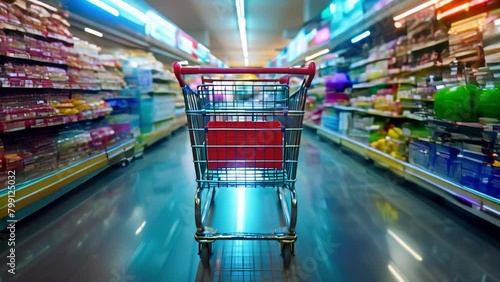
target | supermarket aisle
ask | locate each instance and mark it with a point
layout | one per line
(355, 224)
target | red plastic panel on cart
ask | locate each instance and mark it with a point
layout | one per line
(237, 143)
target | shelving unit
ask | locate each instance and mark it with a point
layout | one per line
(35, 194)
(400, 73)
(422, 46)
(82, 77)
(473, 201)
(149, 139)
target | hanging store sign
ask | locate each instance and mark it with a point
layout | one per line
(161, 29)
(203, 53)
(187, 44)
(322, 36)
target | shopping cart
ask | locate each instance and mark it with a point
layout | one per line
(245, 134)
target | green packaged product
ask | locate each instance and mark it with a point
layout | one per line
(458, 103)
(489, 103)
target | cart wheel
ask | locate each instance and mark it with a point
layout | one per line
(286, 252)
(205, 253)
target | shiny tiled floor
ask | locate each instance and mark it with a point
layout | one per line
(356, 223)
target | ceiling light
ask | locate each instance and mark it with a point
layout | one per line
(333, 8)
(242, 26)
(313, 56)
(404, 245)
(46, 6)
(94, 32)
(132, 11)
(414, 10)
(184, 63)
(105, 7)
(398, 24)
(443, 3)
(139, 230)
(395, 273)
(360, 37)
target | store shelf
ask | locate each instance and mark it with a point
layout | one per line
(376, 113)
(164, 80)
(50, 37)
(374, 84)
(416, 99)
(423, 67)
(149, 139)
(37, 193)
(61, 87)
(124, 151)
(465, 53)
(365, 62)
(169, 92)
(428, 44)
(330, 135)
(310, 124)
(21, 125)
(28, 59)
(482, 205)
(163, 119)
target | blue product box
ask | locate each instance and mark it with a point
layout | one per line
(491, 181)
(445, 161)
(472, 167)
(421, 153)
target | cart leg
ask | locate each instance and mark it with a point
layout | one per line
(293, 216)
(287, 250)
(290, 213)
(197, 211)
(205, 252)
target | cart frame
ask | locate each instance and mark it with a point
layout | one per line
(268, 124)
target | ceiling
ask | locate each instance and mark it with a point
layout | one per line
(214, 23)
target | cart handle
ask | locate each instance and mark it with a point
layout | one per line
(308, 71)
(281, 80)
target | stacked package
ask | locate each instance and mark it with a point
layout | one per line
(466, 39)
(491, 41)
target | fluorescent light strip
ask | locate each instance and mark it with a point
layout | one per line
(46, 6)
(139, 230)
(240, 213)
(132, 10)
(105, 7)
(453, 11)
(242, 25)
(333, 8)
(313, 56)
(395, 273)
(404, 245)
(360, 37)
(168, 25)
(184, 63)
(94, 32)
(414, 10)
